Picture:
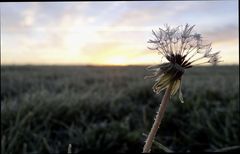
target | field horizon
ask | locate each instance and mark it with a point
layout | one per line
(107, 65)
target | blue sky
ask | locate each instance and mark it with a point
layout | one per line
(109, 32)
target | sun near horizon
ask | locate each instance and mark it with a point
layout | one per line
(109, 33)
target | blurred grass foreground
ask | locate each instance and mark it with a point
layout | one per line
(108, 109)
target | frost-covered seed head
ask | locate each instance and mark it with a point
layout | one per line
(182, 50)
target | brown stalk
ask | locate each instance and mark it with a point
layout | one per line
(158, 119)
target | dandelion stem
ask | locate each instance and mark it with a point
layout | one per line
(158, 119)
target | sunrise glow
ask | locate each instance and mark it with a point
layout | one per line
(109, 33)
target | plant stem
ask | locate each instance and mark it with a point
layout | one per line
(158, 119)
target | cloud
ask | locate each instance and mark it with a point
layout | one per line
(145, 14)
(89, 32)
(224, 33)
(28, 16)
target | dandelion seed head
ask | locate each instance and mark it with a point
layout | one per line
(182, 49)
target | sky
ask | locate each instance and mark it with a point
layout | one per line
(109, 33)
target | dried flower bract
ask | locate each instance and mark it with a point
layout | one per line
(182, 49)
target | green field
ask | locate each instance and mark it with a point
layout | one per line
(107, 109)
